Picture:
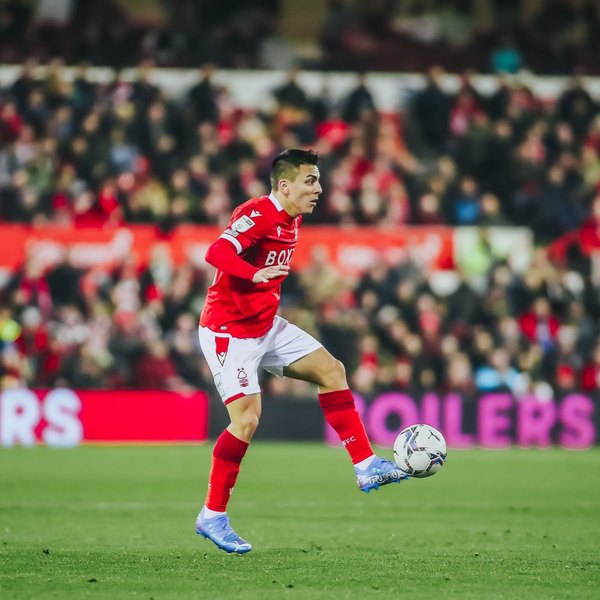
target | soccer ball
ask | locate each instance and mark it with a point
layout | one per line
(420, 450)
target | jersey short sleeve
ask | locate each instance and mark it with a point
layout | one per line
(246, 226)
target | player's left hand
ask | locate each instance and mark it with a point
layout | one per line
(268, 273)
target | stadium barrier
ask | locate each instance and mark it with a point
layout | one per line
(352, 250)
(254, 88)
(66, 418)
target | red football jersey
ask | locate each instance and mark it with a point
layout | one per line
(263, 235)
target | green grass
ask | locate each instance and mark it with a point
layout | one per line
(117, 522)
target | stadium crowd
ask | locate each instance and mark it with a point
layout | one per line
(78, 153)
(545, 36)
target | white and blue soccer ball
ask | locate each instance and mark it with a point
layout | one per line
(420, 450)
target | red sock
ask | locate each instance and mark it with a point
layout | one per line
(340, 412)
(227, 456)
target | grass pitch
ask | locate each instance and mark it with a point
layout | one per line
(117, 522)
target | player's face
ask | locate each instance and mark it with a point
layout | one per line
(303, 192)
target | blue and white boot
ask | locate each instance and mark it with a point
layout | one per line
(219, 531)
(379, 472)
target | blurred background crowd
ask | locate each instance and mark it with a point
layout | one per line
(77, 152)
(546, 36)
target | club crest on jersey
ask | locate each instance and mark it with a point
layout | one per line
(221, 347)
(242, 224)
(242, 378)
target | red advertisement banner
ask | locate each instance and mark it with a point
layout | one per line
(351, 249)
(63, 417)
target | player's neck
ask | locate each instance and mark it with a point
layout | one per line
(286, 205)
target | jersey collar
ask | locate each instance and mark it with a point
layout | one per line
(275, 202)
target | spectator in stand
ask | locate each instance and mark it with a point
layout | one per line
(14, 369)
(459, 376)
(497, 374)
(358, 102)
(576, 107)
(431, 109)
(365, 376)
(154, 370)
(590, 377)
(539, 325)
(183, 349)
(506, 57)
(590, 231)
(290, 94)
(428, 210)
(490, 214)
(203, 97)
(467, 204)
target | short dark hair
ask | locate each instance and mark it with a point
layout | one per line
(287, 164)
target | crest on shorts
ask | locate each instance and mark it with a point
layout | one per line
(242, 378)
(221, 347)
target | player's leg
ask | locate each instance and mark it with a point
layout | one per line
(230, 449)
(244, 414)
(337, 403)
(233, 363)
(228, 453)
(336, 400)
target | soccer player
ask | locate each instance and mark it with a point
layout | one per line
(240, 332)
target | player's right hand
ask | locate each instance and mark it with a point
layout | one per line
(264, 275)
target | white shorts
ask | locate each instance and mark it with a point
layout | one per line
(234, 362)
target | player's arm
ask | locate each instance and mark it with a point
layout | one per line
(222, 255)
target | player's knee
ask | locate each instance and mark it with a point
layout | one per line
(339, 371)
(334, 375)
(247, 423)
